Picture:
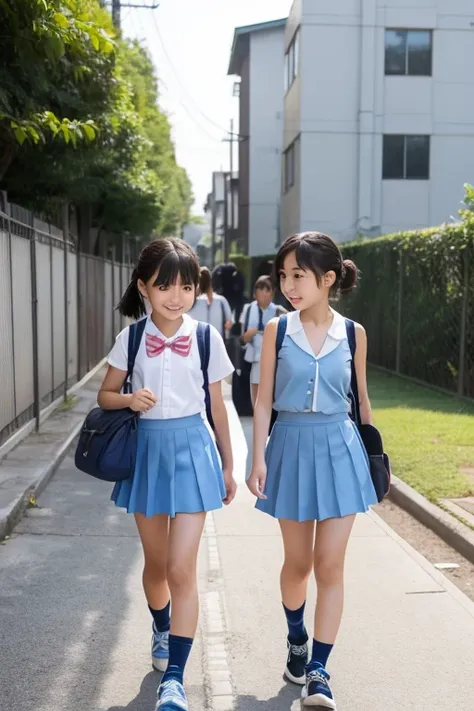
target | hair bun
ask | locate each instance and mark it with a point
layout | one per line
(350, 275)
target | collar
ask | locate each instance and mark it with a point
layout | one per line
(186, 328)
(335, 334)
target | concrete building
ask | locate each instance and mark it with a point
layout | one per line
(257, 56)
(378, 114)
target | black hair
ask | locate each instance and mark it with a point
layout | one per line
(318, 253)
(264, 282)
(205, 280)
(172, 258)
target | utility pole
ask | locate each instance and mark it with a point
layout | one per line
(229, 219)
(118, 4)
(116, 14)
(232, 205)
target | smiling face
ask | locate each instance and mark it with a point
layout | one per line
(168, 300)
(300, 286)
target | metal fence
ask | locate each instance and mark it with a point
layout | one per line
(57, 317)
(417, 304)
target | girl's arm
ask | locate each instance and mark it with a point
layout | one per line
(249, 334)
(110, 397)
(263, 410)
(222, 432)
(360, 363)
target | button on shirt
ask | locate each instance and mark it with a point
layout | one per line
(216, 313)
(176, 381)
(308, 383)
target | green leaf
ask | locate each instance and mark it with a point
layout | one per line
(89, 132)
(61, 20)
(95, 41)
(20, 135)
(34, 134)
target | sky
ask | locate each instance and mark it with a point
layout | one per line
(190, 43)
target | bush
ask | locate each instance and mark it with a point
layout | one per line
(416, 300)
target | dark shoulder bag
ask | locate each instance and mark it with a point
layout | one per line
(107, 446)
(371, 438)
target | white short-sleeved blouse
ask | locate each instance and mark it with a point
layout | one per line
(175, 380)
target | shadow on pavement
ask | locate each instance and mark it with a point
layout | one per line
(146, 698)
(283, 701)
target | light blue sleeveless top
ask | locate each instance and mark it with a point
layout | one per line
(305, 383)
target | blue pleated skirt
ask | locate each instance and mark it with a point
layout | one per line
(178, 469)
(317, 468)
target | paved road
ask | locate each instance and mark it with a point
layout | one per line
(74, 628)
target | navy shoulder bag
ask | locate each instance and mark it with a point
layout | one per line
(370, 436)
(107, 444)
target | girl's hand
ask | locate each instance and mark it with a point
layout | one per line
(143, 400)
(230, 487)
(256, 481)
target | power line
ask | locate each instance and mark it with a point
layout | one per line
(165, 52)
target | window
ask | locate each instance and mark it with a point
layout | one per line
(292, 61)
(406, 157)
(289, 167)
(408, 52)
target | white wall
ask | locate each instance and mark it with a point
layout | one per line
(347, 104)
(266, 129)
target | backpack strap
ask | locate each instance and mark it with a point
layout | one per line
(223, 319)
(247, 317)
(135, 335)
(354, 393)
(203, 335)
(281, 331)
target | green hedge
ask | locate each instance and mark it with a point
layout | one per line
(416, 299)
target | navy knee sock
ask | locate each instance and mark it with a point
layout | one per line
(321, 652)
(296, 630)
(180, 648)
(161, 618)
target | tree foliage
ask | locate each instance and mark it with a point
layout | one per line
(79, 114)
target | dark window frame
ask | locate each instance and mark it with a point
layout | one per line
(292, 60)
(405, 172)
(406, 70)
(289, 162)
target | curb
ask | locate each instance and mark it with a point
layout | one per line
(448, 528)
(14, 512)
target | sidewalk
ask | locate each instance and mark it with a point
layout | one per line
(27, 469)
(74, 628)
(407, 637)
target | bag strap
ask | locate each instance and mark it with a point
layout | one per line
(203, 335)
(135, 335)
(354, 393)
(223, 319)
(247, 317)
(281, 331)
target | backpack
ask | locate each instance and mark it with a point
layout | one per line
(107, 446)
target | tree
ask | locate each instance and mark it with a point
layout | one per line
(42, 41)
(127, 179)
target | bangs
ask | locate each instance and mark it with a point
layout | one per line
(307, 255)
(178, 265)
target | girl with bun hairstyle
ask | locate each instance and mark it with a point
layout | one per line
(314, 472)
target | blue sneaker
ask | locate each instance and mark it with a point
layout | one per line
(317, 691)
(171, 696)
(159, 649)
(296, 663)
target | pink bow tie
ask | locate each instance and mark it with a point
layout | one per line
(156, 345)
